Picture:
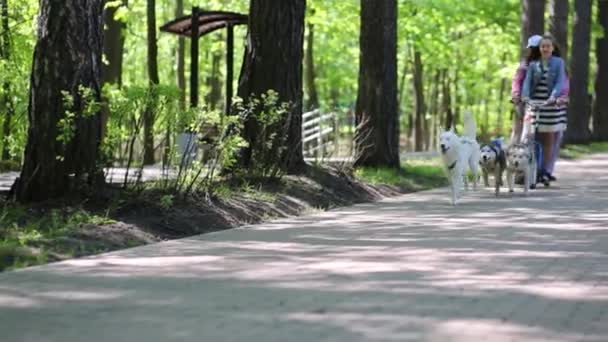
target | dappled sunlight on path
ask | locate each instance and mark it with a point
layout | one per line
(411, 268)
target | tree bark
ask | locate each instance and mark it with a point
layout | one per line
(558, 25)
(377, 136)
(446, 100)
(433, 110)
(600, 114)
(6, 104)
(150, 111)
(419, 104)
(309, 62)
(265, 67)
(579, 110)
(532, 20)
(181, 59)
(113, 46)
(68, 55)
(214, 82)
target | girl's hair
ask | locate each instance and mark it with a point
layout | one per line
(533, 54)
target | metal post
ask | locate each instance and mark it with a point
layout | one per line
(194, 58)
(229, 67)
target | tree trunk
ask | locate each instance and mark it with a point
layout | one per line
(600, 116)
(68, 55)
(377, 136)
(558, 25)
(434, 110)
(265, 67)
(457, 99)
(309, 62)
(446, 101)
(579, 110)
(113, 46)
(532, 20)
(214, 82)
(181, 59)
(149, 113)
(500, 118)
(419, 104)
(6, 104)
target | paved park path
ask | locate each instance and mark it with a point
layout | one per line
(410, 268)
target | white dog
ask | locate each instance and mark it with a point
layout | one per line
(460, 154)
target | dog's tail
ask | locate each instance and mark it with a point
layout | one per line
(470, 126)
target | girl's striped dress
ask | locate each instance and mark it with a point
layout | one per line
(551, 118)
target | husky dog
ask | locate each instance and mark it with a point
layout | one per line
(460, 154)
(493, 160)
(521, 160)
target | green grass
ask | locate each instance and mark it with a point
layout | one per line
(579, 151)
(25, 236)
(414, 175)
(9, 165)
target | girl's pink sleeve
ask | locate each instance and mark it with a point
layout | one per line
(518, 80)
(566, 88)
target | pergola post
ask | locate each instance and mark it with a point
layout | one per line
(229, 67)
(194, 58)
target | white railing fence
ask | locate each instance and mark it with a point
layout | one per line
(318, 133)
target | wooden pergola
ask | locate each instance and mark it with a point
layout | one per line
(198, 24)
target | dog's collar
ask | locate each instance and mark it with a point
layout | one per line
(451, 167)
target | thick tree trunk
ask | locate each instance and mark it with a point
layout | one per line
(68, 55)
(377, 136)
(558, 24)
(149, 113)
(6, 103)
(580, 108)
(265, 67)
(309, 62)
(600, 114)
(181, 59)
(419, 105)
(532, 20)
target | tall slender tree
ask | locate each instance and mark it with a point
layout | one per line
(64, 129)
(532, 19)
(419, 103)
(149, 113)
(579, 110)
(265, 67)
(114, 43)
(600, 113)
(558, 24)
(377, 136)
(6, 102)
(310, 72)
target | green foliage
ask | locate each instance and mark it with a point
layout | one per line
(414, 176)
(268, 147)
(24, 234)
(580, 151)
